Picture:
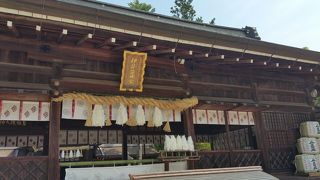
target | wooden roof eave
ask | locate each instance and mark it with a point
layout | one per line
(192, 36)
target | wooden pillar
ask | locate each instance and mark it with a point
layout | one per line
(188, 124)
(261, 139)
(230, 148)
(188, 131)
(54, 128)
(125, 144)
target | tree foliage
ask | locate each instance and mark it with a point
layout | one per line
(199, 19)
(184, 9)
(136, 4)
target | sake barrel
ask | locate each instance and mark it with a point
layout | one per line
(318, 142)
(310, 129)
(307, 146)
(306, 163)
(317, 157)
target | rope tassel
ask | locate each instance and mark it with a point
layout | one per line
(167, 128)
(89, 117)
(108, 122)
(150, 121)
(131, 121)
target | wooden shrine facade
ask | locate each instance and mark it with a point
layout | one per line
(42, 56)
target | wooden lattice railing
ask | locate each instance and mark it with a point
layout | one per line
(237, 158)
(24, 168)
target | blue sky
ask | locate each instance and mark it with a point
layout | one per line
(289, 22)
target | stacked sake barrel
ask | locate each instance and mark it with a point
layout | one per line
(308, 160)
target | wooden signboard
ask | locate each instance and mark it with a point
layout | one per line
(133, 67)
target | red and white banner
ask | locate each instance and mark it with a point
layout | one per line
(202, 116)
(10, 110)
(29, 111)
(24, 110)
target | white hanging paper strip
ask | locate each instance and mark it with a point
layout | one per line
(10, 110)
(114, 111)
(132, 111)
(148, 112)
(174, 116)
(233, 118)
(122, 115)
(67, 109)
(140, 116)
(98, 116)
(171, 118)
(80, 109)
(177, 116)
(30, 111)
(243, 118)
(194, 116)
(45, 111)
(251, 119)
(107, 111)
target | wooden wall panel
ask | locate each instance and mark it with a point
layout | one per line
(281, 133)
(24, 168)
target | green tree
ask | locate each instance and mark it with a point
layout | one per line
(184, 9)
(306, 48)
(199, 19)
(136, 4)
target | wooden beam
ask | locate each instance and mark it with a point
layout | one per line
(201, 56)
(116, 83)
(116, 77)
(220, 86)
(45, 57)
(12, 28)
(101, 86)
(185, 54)
(237, 61)
(62, 35)
(38, 32)
(90, 74)
(125, 46)
(207, 57)
(73, 54)
(23, 68)
(165, 51)
(21, 85)
(110, 41)
(147, 48)
(223, 99)
(260, 63)
(246, 61)
(218, 57)
(84, 38)
(61, 50)
(24, 96)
